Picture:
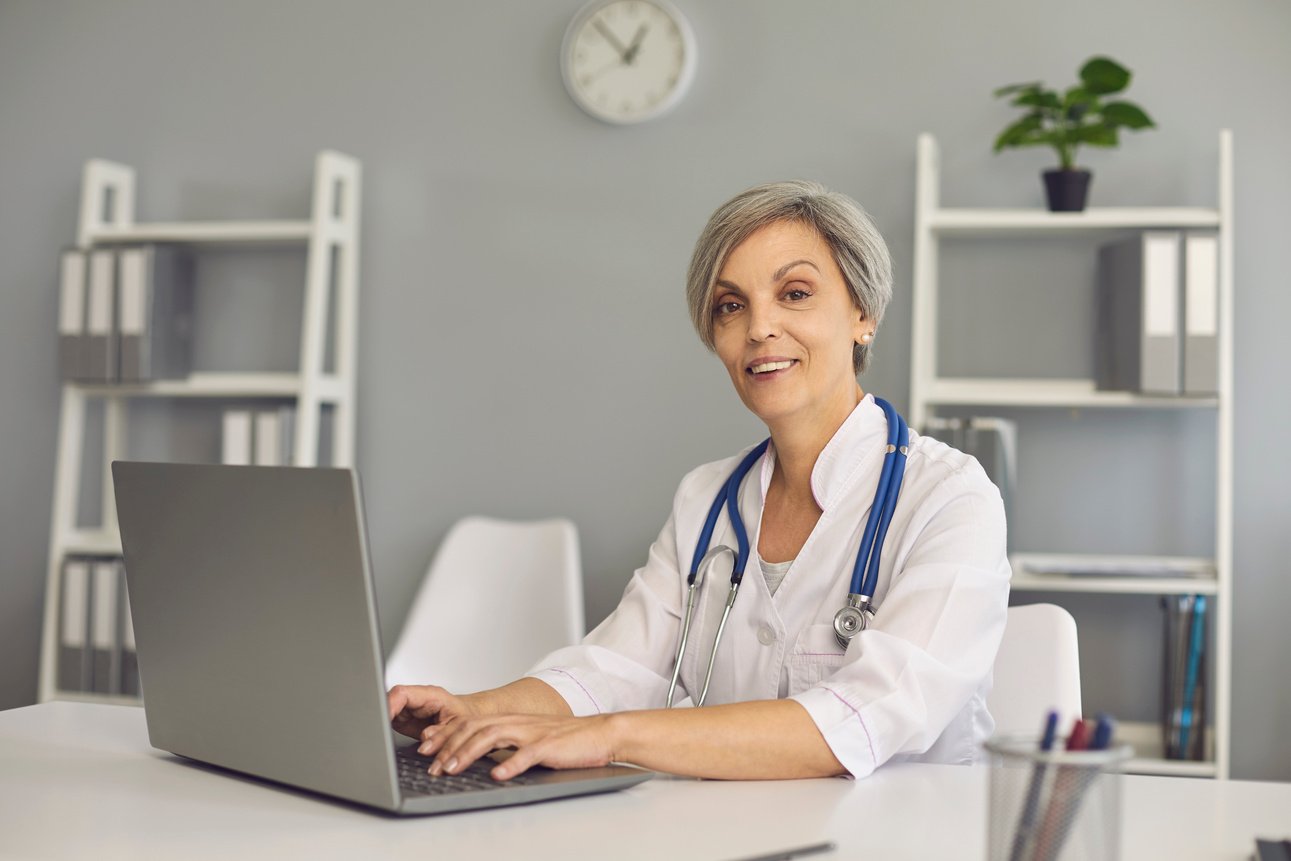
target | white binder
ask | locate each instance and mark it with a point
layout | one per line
(1201, 314)
(71, 314)
(1139, 347)
(74, 626)
(156, 304)
(103, 627)
(100, 325)
(235, 440)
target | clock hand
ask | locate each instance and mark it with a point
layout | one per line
(635, 47)
(612, 39)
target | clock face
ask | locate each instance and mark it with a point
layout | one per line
(625, 61)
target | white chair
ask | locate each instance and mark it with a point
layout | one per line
(1036, 670)
(499, 595)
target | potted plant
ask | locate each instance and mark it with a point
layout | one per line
(1065, 122)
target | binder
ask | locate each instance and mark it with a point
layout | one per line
(1201, 314)
(156, 313)
(235, 440)
(274, 431)
(100, 325)
(74, 626)
(106, 673)
(71, 313)
(991, 440)
(1138, 345)
(129, 654)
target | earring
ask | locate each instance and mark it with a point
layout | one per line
(867, 337)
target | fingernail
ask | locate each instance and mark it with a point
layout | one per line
(435, 769)
(423, 748)
(500, 773)
(451, 766)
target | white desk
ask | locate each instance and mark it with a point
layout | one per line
(80, 781)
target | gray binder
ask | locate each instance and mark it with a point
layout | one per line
(155, 313)
(1138, 341)
(71, 313)
(992, 441)
(100, 355)
(74, 626)
(1201, 314)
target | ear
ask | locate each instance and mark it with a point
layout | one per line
(862, 331)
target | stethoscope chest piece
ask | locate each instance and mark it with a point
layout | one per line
(852, 619)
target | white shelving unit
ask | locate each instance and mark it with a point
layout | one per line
(329, 238)
(930, 390)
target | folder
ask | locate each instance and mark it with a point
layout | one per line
(235, 439)
(106, 673)
(129, 654)
(274, 430)
(156, 313)
(71, 313)
(1138, 344)
(1201, 314)
(100, 324)
(74, 626)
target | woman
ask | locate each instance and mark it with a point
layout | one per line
(787, 285)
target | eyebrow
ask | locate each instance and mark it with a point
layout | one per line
(779, 273)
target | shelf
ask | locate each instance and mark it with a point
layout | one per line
(100, 699)
(97, 542)
(1047, 572)
(1067, 393)
(199, 232)
(209, 385)
(968, 222)
(1145, 738)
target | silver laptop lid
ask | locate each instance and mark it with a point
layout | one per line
(256, 624)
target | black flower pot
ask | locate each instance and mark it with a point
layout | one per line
(1066, 190)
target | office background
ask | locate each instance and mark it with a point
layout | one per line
(524, 346)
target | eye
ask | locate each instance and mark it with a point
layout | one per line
(796, 294)
(730, 306)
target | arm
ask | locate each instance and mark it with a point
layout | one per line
(766, 739)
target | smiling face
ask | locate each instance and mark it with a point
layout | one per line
(784, 324)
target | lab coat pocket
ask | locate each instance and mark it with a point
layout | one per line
(816, 655)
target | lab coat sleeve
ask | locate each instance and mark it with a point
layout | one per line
(626, 662)
(933, 642)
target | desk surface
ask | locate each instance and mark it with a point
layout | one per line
(81, 781)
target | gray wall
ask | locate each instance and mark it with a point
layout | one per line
(524, 345)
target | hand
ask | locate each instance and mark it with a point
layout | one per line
(413, 708)
(633, 49)
(556, 742)
(612, 39)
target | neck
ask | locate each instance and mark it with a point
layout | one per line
(798, 444)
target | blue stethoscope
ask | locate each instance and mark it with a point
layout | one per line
(854, 616)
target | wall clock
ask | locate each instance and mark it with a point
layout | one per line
(628, 61)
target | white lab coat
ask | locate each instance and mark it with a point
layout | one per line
(913, 685)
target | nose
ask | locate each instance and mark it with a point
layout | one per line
(764, 321)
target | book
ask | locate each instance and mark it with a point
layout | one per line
(1138, 345)
(1201, 314)
(156, 313)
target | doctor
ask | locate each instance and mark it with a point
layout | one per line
(787, 285)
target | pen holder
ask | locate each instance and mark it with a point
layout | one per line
(1055, 805)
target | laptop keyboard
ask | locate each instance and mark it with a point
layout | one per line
(414, 779)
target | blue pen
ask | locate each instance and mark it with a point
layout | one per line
(1103, 732)
(1026, 824)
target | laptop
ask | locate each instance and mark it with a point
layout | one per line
(256, 628)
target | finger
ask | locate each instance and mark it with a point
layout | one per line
(466, 746)
(396, 699)
(518, 763)
(431, 738)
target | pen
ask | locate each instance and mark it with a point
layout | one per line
(1026, 824)
(1052, 831)
(787, 854)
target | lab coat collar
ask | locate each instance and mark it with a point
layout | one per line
(862, 434)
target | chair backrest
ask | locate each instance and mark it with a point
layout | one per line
(498, 596)
(1037, 669)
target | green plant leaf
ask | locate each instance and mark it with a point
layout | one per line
(1038, 98)
(1014, 88)
(1103, 75)
(1020, 133)
(1095, 135)
(1126, 114)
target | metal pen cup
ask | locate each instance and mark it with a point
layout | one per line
(1053, 805)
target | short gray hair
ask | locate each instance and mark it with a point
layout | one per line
(858, 248)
